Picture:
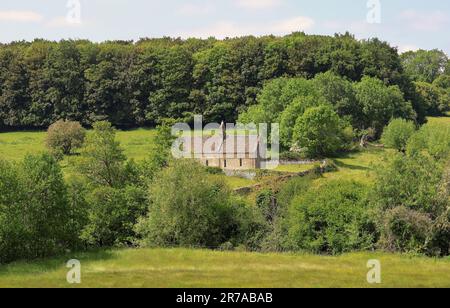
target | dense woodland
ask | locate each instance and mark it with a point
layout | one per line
(139, 83)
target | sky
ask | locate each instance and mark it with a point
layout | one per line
(406, 24)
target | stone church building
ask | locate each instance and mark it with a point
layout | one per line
(227, 151)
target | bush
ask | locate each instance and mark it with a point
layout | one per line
(214, 170)
(190, 209)
(333, 218)
(412, 198)
(65, 136)
(267, 204)
(112, 216)
(404, 230)
(412, 182)
(36, 219)
(397, 134)
(433, 138)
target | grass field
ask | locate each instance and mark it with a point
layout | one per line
(136, 143)
(201, 268)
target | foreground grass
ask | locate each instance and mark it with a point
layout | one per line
(201, 268)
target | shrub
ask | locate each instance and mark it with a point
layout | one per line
(267, 204)
(35, 217)
(397, 134)
(188, 208)
(433, 138)
(214, 170)
(112, 216)
(405, 230)
(65, 136)
(412, 182)
(333, 218)
(412, 198)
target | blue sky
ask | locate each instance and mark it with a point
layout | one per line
(408, 24)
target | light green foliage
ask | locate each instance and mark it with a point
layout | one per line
(290, 115)
(381, 103)
(319, 131)
(332, 218)
(340, 93)
(423, 65)
(102, 159)
(276, 96)
(188, 208)
(398, 133)
(433, 138)
(160, 154)
(35, 217)
(413, 206)
(409, 181)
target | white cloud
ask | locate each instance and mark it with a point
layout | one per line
(20, 16)
(61, 22)
(191, 9)
(425, 21)
(258, 4)
(225, 29)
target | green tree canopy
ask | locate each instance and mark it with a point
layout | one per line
(319, 131)
(423, 65)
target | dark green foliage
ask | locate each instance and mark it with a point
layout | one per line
(37, 215)
(112, 215)
(333, 218)
(405, 230)
(267, 204)
(135, 84)
(433, 98)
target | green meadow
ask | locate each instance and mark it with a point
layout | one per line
(184, 268)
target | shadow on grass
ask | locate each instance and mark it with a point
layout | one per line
(39, 266)
(341, 164)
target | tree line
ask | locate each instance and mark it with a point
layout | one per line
(139, 83)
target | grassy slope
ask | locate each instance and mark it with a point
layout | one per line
(199, 268)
